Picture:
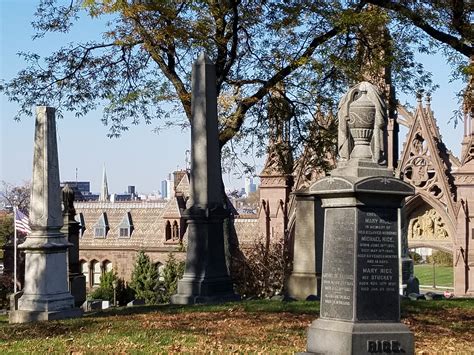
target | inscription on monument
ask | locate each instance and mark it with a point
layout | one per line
(377, 255)
(338, 268)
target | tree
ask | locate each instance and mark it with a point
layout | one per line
(6, 230)
(105, 291)
(449, 22)
(171, 273)
(141, 68)
(18, 196)
(145, 279)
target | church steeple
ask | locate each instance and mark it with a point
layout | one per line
(104, 190)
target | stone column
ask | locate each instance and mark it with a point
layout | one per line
(77, 280)
(45, 295)
(206, 279)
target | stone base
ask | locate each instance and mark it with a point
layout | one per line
(193, 291)
(45, 303)
(77, 286)
(302, 285)
(33, 316)
(340, 338)
(361, 168)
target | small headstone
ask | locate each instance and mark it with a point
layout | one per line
(413, 286)
(433, 296)
(313, 298)
(277, 298)
(105, 304)
(416, 296)
(136, 303)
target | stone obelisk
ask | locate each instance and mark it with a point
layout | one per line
(46, 295)
(206, 279)
(360, 302)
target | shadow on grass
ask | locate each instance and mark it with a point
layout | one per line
(14, 332)
(254, 306)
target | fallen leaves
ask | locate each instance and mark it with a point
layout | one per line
(233, 329)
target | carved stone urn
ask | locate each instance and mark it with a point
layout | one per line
(361, 125)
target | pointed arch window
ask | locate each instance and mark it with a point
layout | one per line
(175, 231)
(168, 231)
(102, 227)
(125, 227)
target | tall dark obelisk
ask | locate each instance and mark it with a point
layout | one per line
(206, 279)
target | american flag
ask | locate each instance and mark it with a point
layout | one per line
(22, 223)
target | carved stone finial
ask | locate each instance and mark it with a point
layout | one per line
(428, 99)
(419, 96)
(68, 196)
(362, 117)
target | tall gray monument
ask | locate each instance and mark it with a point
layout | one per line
(46, 295)
(71, 228)
(360, 304)
(206, 279)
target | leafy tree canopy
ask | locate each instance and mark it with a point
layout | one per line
(16, 195)
(140, 70)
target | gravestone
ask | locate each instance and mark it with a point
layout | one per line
(206, 279)
(360, 302)
(46, 295)
(305, 278)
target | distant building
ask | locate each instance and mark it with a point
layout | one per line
(164, 189)
(250, 186)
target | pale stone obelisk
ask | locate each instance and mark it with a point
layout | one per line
(206, 279)
(45, 295)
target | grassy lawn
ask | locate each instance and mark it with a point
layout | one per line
(443, 274)
(252, 326)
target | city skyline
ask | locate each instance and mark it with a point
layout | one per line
(140, 157)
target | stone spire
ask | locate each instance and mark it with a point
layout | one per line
(104, 190)
(468, 107)
(45, 295)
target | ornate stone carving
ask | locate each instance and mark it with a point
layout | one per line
(428, 226)
(362, 122)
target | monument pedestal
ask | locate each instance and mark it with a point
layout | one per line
(45, 298)
(206, 279)
(360, 303)
(333, 337)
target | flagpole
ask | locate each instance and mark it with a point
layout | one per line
(14, 250)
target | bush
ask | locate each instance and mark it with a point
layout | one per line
(6, 288)
(171, 273)
(145, 279)
(261, 270)
(440, 258)
(106, 289)
(415, 257)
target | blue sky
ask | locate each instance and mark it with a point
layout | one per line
(140, 157)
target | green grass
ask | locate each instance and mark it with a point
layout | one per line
(259, 326)
(443, 275)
